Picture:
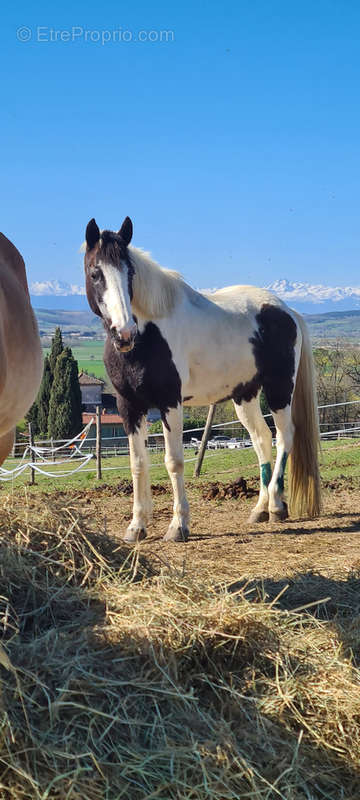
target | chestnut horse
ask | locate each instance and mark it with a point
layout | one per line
(168, 345)
(21, 361)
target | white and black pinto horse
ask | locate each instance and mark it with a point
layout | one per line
(169, 345)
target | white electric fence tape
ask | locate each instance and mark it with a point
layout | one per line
(75, 444)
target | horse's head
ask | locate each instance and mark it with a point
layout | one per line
(109, 275)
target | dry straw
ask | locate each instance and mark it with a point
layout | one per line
(123, 683)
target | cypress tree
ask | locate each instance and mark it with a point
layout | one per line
(57, 347)
(43, 398)
(65, 417)
(32, 416)
(75, 395)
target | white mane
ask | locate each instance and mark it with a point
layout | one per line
(155, 290)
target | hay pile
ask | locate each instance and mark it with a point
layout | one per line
(126, 684)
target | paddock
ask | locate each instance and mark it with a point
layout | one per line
(225, 545)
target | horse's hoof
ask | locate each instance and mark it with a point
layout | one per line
(258, 516)
(177, 534)
(134, 535)
(279, 515)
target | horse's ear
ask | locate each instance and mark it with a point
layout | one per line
(92, 234)
(126, 231)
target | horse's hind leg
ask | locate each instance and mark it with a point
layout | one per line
(142, 505)
(284, 441)
(178, 530)
(251, 417)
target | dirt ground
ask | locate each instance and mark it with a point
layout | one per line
(224, 544)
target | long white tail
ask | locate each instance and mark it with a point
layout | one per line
(304, 477)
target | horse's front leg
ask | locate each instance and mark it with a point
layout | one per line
(178, 530)
(142, 506)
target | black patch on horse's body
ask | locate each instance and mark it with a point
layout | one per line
(246, 391)
(243, 391)
(144, 378)
(274, 352)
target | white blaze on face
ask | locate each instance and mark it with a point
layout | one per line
(115, 305)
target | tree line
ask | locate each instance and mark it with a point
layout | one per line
(56, 412)
(338, 381)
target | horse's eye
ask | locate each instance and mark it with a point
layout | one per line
(96, 274)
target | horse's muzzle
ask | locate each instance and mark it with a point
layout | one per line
(123, 340)
(123, 346)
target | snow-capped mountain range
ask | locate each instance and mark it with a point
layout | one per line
(304, 297)
(312, 298)
(59, 288)
(55, 295)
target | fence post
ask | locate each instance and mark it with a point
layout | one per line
(204, 441)
(32, 455)
(98, 442)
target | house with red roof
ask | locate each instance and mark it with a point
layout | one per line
(93, 395)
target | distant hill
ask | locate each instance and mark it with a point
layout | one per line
(79, 322)
(332, 325)
(335, 325)
(71, 302)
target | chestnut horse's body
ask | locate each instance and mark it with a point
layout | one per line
(21, 361)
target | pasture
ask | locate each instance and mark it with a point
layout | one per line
(89, 355)
(225, 667)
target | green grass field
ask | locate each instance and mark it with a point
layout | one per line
(340, 458)
(89, 356)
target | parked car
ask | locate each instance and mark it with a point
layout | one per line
(194, 442)
(235, 444)
(218, 442)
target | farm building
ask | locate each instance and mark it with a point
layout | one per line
(111, 428)
(91, 390)
(93, 395)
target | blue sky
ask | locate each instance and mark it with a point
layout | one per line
(234, 146)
